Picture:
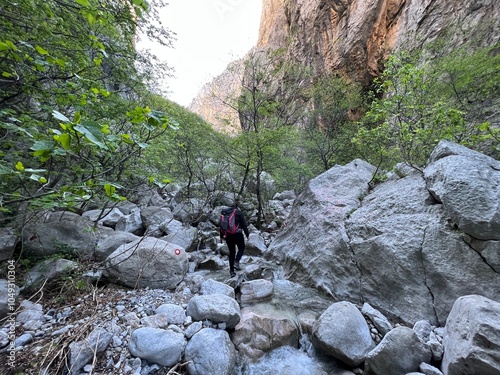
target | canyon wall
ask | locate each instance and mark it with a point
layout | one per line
(354, 37)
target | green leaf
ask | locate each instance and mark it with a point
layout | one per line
(15, 128)
(84, 3)
(65, 141)
(92, 133)
(7, 45)
(77, 117)
(20, 166)
(60, 116)
(5, 170)
(110, 189)
(41, 50)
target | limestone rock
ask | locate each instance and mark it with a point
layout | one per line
(107, 217)
(342, 332)
(210, 351)
(314, 242)
(469, 188)
(175, 313)
(263, 328)
(62, 233)
(256, 291)
(255, 245)
(147, 262)
(160, 346)
(47, 271)
(399, 352)
(378, 319)
(217, 308)
(107, 244)
(393, 247)
(82, 352)
(211, 286)
(472, 337)
(8, 240)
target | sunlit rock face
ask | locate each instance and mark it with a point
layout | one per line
(215, 101)
(355, 37)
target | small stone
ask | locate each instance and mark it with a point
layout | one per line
(88, 368)
(22, 340)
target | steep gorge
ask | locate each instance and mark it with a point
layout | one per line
(355, 37)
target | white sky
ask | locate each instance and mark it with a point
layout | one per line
(210, 34)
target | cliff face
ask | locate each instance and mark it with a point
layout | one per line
(354, 37)
(215, 101)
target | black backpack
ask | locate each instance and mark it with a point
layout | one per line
(228, 221)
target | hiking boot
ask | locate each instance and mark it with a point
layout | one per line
(237, 265)
(233, 274)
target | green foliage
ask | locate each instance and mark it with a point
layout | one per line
(190, 154)
(74, 108)
(417, 105)
(336, 102)
(271, 101)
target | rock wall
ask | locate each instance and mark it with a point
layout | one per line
(214, 102)
(354, 37)
(410, 247)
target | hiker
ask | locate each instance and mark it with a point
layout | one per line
(232, 227)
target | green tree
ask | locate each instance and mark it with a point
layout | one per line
(419, 101)
(74, 111)
(336, 103)
(188, 155)
(271, 101)
(411, 116)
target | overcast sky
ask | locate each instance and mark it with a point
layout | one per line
(210, 34)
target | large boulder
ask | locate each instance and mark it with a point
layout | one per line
(263, 328)
(153, 218)
(8, 240)
(255, 291)
(217, 308)
(255, 245)
(342, 332)
(131, 223)
(47, 271)
(185, 237)
(107, 217)
(210, 351)
(468, 185)
(62, 232)
(408, 255)
(147, 262)
(396, 246)
(107, 244)
(399, 352)
(211, 286)
(314, 242)
(161, 346)
(472, 337)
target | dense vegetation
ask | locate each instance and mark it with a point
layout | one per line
(80, 120)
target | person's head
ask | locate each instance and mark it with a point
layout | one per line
(235, 204)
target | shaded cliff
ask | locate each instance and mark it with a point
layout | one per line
(354, 37)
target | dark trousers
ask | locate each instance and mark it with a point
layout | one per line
(233, 240)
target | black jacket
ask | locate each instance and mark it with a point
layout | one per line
(240, 221)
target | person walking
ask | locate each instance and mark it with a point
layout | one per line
(232, 227)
